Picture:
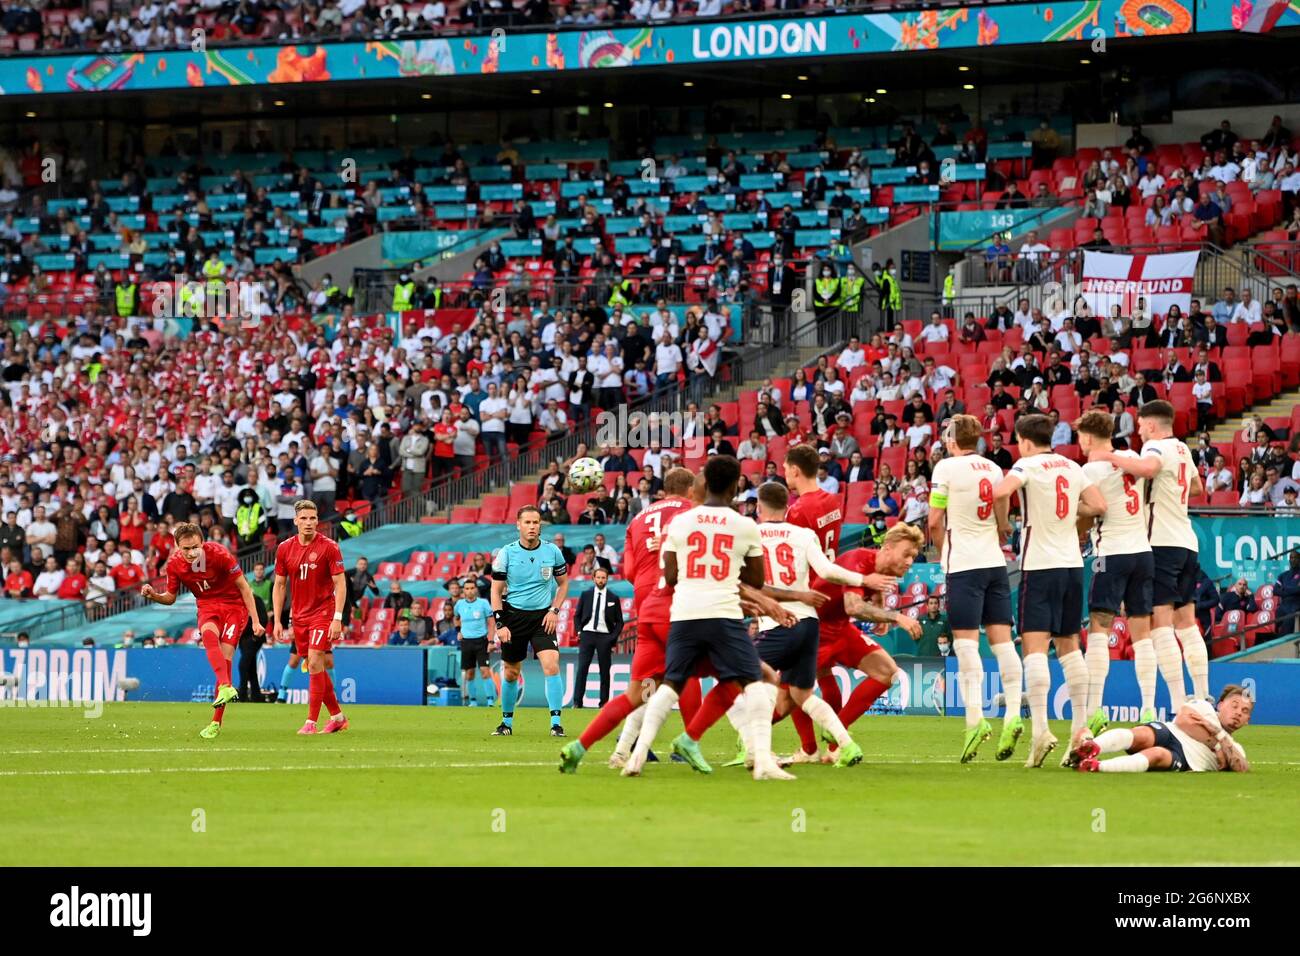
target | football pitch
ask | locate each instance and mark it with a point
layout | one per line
(428, 786)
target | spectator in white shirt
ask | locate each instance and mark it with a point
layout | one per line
(1219, 477)
(1151, 184)
(936, 331)
(1068, 339)
(853, 356)
(1247, 310)
(938, 377)
(48, 581)
(668, 361)
(832, 384)
(1225, 171)
(708, 8)
(920, 433)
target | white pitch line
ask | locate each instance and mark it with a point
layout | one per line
(115, 771)
(217, 748)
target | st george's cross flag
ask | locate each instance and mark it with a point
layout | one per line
(1124, 280)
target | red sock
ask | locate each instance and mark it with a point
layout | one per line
(860, 701)
(830, 688)
(218, 713)
(216, 660)
(689, 701)
(804, 725)
(713, 708)
(315, 690)
(229, 680)
(611, 715)
(327, 695)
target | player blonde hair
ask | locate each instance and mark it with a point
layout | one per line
(304, 504)
(187, 529)
(904, 532)
(678, 482)
(964, 431)
(1096, 423)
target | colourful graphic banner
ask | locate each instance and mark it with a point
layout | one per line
(1212, 15)
(1246, 546)
(745, 40)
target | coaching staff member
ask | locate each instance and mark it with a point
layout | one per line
(529, 583)
(600, 619)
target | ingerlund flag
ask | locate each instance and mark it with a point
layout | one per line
(1259, 16)
(1164, 280)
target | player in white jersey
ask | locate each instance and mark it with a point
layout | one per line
(789, 553)
(1168, 464)
(707, 553)
(1123, 570)
(1054, 494)
(968, 520)
(1198, 739)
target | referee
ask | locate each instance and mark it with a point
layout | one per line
(533, 574)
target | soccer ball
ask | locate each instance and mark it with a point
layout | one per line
(586, 474)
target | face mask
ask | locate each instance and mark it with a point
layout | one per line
(944, 648)
(880, 525)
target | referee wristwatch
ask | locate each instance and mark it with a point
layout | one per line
(554, 610)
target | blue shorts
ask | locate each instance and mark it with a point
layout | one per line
(725, 642)
(792, 651)
(1165, 738)
(1051, 600)
(1175, 578)
(978, 597)
(1123, 580)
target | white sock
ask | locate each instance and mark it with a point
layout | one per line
(1198, 661)
(970, 677)
(1144, 662)
(1129, 763)
(631, 728)
(1170, 661)
(656, 712)
(1076, 680)
(823, 714)
(1115, 741)
(739, 717)
(1013, 675)
(1037, 682)
(762, 700)
(1098, 661)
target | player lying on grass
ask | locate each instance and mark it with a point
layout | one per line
(225, 606)
(1199, 739)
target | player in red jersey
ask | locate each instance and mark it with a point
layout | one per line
(650, 604)
(314, 565)
(823, 514)
(225, 605)
(841, 641)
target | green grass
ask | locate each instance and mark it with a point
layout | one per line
(410, 785)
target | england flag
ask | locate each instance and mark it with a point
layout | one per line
(1258, 16)
(1161, 280)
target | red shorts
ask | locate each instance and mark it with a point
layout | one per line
(648, 660)
(229, 621)
(844, 645)
(312, 636)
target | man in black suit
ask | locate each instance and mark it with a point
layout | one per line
(599, 621)
(1203, 364)
(780, 284)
